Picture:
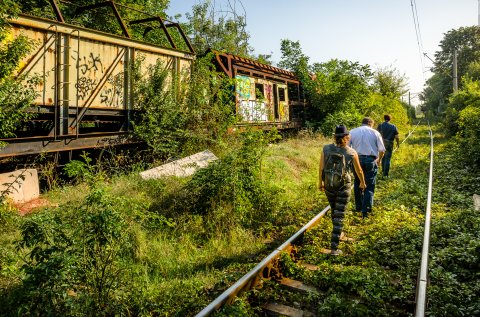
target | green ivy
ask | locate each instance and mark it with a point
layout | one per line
(16, 93)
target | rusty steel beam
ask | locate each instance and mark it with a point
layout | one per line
(269, 75)
(48, 110)
(162, 26)
(95, 35)
(140, 21)
(226, 68)
(185, 38)
(56, 10)
(110, 4)
(37, 145)
(237, 62)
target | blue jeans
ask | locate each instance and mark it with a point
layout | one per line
(364, 201)
(387, 157)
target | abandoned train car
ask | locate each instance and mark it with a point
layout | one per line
(265, 96)
(85, 95)
(85, 92)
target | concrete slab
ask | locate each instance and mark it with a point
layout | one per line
(181, 168)
(476, 202)
(298, 286)
(274, 309)
(21, 185)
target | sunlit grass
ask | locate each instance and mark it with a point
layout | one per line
(184, 260)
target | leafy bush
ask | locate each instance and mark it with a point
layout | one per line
(161, 121)
(469, 133)
(461, 120)
(234, 181)
(350, 119)
(192, 116)
(73, 264)
(16, 94)
(380, 105)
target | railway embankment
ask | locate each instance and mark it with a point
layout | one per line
(170, 246)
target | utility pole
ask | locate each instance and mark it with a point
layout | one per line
(478, 12)
(409, 99)
(455, 75)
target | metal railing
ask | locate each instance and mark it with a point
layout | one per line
(421, 296)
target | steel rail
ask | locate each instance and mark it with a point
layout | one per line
(421, 296)
(248, 278)
(408, 135)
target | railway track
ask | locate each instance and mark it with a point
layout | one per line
(269, 273)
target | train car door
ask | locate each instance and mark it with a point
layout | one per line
(283, 111)
(275, 102)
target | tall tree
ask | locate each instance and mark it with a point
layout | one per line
(389, 82)
(466, 41)
(219, 27)
(292, 58)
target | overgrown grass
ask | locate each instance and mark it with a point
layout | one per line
(172, 261)
(377, 274)
(162, 258)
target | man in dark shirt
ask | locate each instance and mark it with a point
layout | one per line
(389, 133)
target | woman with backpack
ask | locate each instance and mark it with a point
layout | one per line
(336, 164)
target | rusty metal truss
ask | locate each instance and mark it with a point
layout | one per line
(231, 64)
(85, 96)
(163, 24)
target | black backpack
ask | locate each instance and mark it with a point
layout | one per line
(335, 169)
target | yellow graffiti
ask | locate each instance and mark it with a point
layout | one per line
(283, 111)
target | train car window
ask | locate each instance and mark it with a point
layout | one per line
(259, 91)
(293, 92)
(281, 94)
(302, 93)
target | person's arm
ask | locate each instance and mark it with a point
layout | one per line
(359, 171)
(396, 137)
(321, 185)
(380, 156)
(381, 148)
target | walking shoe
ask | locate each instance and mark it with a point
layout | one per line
(336, 252)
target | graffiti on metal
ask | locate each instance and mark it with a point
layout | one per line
(244, 87)
(91, 72)
(261, 100)
(112, 94)
(90, 63)
(251, 110)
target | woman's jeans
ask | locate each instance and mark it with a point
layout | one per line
(338, 202)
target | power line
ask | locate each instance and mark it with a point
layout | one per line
(416, 23)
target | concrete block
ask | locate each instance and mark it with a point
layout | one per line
(476, 202)
(182, 167)
(21, 185)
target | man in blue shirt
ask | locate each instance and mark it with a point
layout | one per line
(389, 133)
(369, 145)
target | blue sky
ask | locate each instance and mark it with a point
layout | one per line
(380, 33)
